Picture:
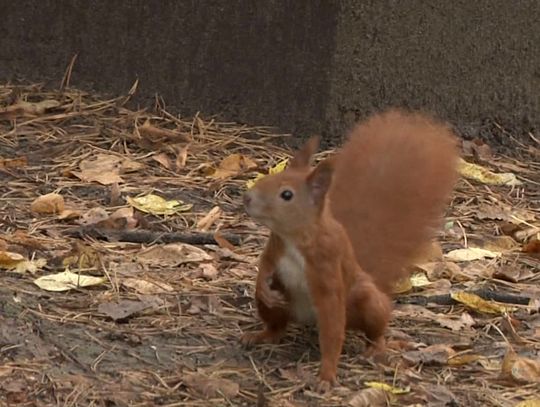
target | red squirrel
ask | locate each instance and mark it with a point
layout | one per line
(344, 232)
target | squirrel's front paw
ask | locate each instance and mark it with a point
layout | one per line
(324, 383)
(271, 298)
(258, 337)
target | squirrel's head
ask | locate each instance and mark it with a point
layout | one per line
(290, 201)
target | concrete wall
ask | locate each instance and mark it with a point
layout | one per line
(304, 66)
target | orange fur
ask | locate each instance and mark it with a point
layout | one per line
(343, 232)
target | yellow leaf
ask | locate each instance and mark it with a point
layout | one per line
(388, 388)
(402, 286)
(157, 205)
(419, 280)
(479, 304)
(279, 167)
(529, 403)
(481, 174)
(9, 260)
(471, 253)
(67, 280)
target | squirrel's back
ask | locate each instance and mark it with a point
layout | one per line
(393, 179)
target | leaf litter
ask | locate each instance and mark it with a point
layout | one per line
(154, 322)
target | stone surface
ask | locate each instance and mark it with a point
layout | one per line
(305, 67)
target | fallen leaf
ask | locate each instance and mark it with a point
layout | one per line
(9, 260)
(233, 165)
(387, 388)
(434, 354)
(30, 266)
(163, 159)
(156, 134)
(49, 203)
(105, 168)
(481, 174)
(465, 359)
(211, 387)
(208, 271)
(529, 403)
(520, 369)
(67, 280)
(370, 397)
(13, 162)
(512, 273)
(470, 254)
(147, 287)
(126, 214)
(222, 242)
(419, 280)
(402, 286)
(125, 308)
(19, 264)
(532, 248)
(93, 216)
(181, 158)
(479, 304)
(173, 254)
(500, 244)
(157, 205)
(279, 167)
(69, 214)
(27, 109)
(209, 219)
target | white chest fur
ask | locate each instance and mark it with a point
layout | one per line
(291, 271)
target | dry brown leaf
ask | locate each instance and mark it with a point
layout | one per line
(126, 214)
(163, 159)
(208, 271)
(13, 162)
(222, 242)
(532, 248)
(434, 354)
(67, 214)
(209, 219)
(159, 135)
(173, 254)
(233, 165)
(125, 308)
(370, 397)
(48, 204)
(105, 168)
(27, 109)
(211, 387)
(520, 369)
(93, 216)
(147, 287)
(181, 157)
(465, 359)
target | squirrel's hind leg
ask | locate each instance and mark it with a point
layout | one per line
(369, 310)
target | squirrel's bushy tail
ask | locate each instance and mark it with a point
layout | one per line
(393, 179)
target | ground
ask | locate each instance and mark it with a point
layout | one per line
(160, 324)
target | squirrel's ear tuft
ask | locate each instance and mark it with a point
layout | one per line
(302, 157)
(320, 179)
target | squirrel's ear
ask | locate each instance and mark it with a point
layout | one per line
(320, 179)
(302, 157)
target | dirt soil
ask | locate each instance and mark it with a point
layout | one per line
(160, 322)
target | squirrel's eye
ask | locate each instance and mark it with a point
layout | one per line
(286, 195)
